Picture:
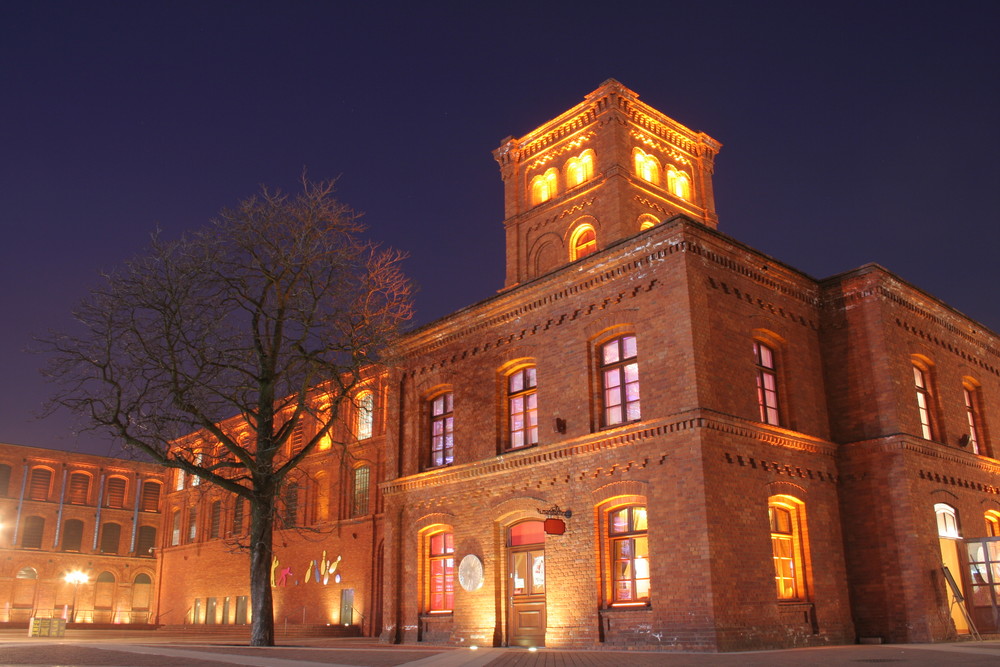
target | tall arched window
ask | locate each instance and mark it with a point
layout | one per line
(678, 183)
(34, 528)
(79, 488)
(629, 549)
(360, 491)
(38, 488)
(544, 186)
(116, 492)
(786, 516)
(580, 169)
(364, 415)
(151, 496)
(72, 537)
(620, 380)
(110, 537)
(647, 167)
(582, 242)
(973, 416)
(767, 383)
(922, 382)
(522, 407)
(947, 520)
(440, 572)
(442, 430)
(992, 523)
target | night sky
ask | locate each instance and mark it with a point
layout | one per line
(851, 132)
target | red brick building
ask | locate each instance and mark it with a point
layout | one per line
(63, 513)
(652, 436)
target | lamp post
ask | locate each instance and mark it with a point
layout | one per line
(76, 578)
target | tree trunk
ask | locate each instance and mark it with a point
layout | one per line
(261, 554)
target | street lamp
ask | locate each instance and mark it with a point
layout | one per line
(76, 578)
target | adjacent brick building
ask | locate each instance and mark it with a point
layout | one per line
(94, 516)
(652, 436)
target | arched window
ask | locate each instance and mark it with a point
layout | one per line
(544, 186)
(522, 406)
(364, 414)
(26, 573)
(116, 492)
(620, 380)
(151, 496)
(629, 549)
(440, 572)
(175, 528)
(580, 169)
(582, 242)
(442, 430)
(786, 516)
(647, 167)
(4, 479)
(290, 498)
(678, 183)
(110, 537)
(192, 527)
(922, 382)
(646, 221)
(215, 520)
(947, 521)
(360, 491)
(321, 497)
(992, 523)
(72, 536)
(38, 487)
(79, 488)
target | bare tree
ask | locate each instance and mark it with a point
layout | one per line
(250, 317)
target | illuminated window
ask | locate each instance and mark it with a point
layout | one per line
(175, 528)
(441, 573)
(629, 550)
(543, 186)
(151, 496)
(79, 488)
(785, 515)
(973, 418)
(522, 403)
(582, 242)
(442, 430)
(110, 537)
(580, 169)
(195, 480)
(922, 383)
(646, 221)
(647, 167)
(620, 380)
(359, 504)
(364, 415)
(993, 523)
(767, 383)
(179, 480)
(116, 492)
(192, 527)
(678, 183)
(38, 487)
(947, 521)
(33, 529)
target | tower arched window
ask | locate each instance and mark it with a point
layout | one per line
(364, 415)
(647, 167)
(786, 516)
(580, 169)
(582, 242)
(544, 186)
(678, 183)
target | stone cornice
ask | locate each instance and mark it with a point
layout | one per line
(633, 434)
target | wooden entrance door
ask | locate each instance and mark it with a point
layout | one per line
(526, 584)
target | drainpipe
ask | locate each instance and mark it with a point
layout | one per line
(62, 499)
(135, 515)
(97, 517)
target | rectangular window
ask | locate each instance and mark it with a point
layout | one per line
(79, 488)
(192, 531)
(238, 516)
(522, 402)
(620, 380)
(767, 383)
(175, 535)
(441, 566)
(39, 487)
(442, 430)
(116, 492)
(922, 384)
(972, 419)
(146, 541)
(786, 549)
(359, 506)
(627, 530)
(151, 496)
(179, 480)
(110, 538)
(34, 528)
(216, 521)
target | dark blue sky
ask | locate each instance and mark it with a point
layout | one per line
(852, 133)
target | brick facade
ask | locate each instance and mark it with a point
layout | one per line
(731, 454)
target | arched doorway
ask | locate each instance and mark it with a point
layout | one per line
(526, 584)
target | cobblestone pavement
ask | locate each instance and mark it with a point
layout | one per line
(194, 652)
